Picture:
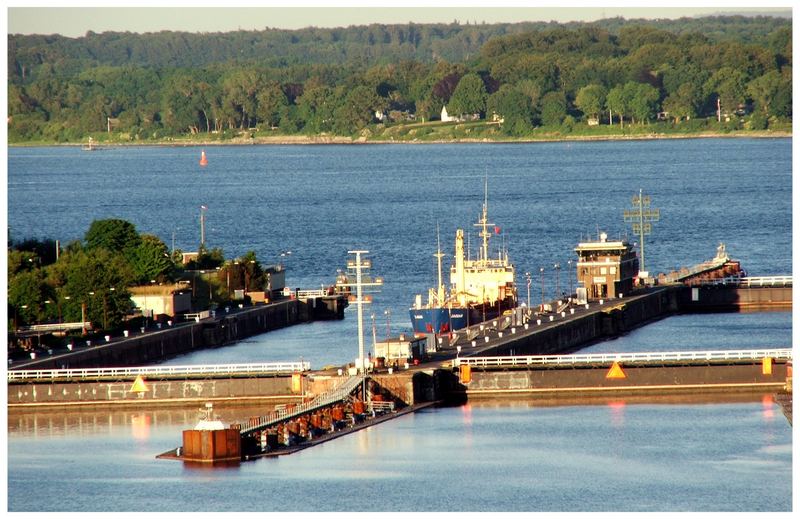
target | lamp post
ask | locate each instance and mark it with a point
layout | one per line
(388, 314)
(528, 282)
(569, 275)
(557, 266)
(541, 274)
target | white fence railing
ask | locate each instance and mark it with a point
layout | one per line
(310, 294)
(630, 358)
(322, 400)
(759, 281)
(56, 327)
(155, 371)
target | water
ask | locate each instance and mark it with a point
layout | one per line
(319, 202)
(661, 455)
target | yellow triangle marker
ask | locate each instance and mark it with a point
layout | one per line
(616, 371)
(138, 385)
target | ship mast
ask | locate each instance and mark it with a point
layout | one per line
(483, 223)
(438, 256)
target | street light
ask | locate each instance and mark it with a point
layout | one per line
(528, 280)
(569, 275)
(557, 266)
(388, 314)
(541, 273)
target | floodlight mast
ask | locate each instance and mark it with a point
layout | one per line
(641, 216)
(359, 265)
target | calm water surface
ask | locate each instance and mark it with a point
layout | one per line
(319, 202)
(667, 455)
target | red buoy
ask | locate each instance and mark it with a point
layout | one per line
(203, 160)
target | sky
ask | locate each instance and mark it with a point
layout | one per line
(55, 17)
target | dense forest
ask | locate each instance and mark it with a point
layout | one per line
(342, 81)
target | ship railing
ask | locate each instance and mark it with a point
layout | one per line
(78, 374)
(337, 394)
(644, 357)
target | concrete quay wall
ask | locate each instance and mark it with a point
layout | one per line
(637, 379)
(155, 346)
(723, 298)
(572, 332)
(173, 392)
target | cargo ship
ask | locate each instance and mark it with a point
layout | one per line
(480, 289)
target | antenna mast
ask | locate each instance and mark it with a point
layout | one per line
(641, 216)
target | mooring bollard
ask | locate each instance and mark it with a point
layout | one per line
(33, 355)
(88, 343)
(142, 329)
(108, 338)
(125, 333)
(538, 322)
(601, 301)
(571, 311)
(526, 326)
(473, 344)
(169, 323)
(69, 346)
(486, 339)
(499, 334)
(551, 318)
(587, 306)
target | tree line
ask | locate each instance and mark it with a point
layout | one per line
(340, 81)
(90, 278)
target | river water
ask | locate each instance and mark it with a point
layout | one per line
(319, 202)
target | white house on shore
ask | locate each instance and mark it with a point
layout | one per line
(447, 118)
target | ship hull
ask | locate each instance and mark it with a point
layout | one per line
(449, 319)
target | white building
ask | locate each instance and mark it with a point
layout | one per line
(445, 117)
(162, 299)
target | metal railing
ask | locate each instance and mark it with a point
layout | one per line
(756, 281)
(155, 371)
(630, 358)
(311, 294)
(55, 327)
(324, 399)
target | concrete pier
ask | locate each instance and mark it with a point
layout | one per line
(169, 341)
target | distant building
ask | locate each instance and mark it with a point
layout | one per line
(447, 118)
(397, 351)
(186, 257)
(593, 121)
(155, 300)
(606, 269)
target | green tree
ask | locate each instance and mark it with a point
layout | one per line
(357, 110)
(730, 85)
(617, 103)
(113, 234)
(514, 107)
(764, 89)
(469, 96)
(591, 99)
(643, 100)
(27, 293)
(685, 103)
(150, 260)
(271, 101)
(95, 280)
(554, 108)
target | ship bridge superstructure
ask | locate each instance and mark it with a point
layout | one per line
(485, 279)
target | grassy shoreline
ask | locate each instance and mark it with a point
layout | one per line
(339, 140)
